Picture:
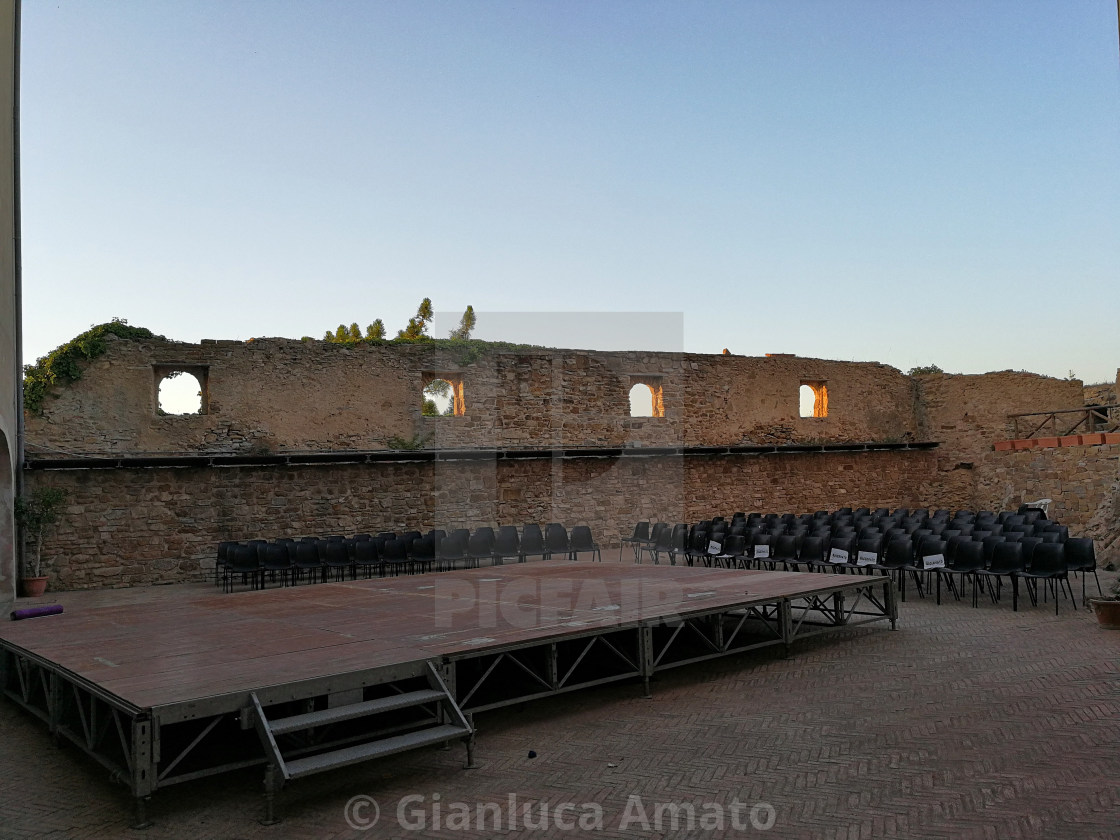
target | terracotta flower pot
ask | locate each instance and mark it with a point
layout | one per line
(32, 587)
(1108, 613)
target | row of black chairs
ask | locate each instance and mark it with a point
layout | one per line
(318, 559)
(972, 550)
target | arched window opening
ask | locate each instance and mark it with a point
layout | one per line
(641, 401)
(180, 393)
(647, 398)
(442, 396)
(814, 399)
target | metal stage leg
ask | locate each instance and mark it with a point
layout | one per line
(891, 599)
(645, 642)
(785, 625)
(271, 788)
(469, 741)
(140, 819)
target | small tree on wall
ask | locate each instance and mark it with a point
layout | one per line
(36, 513)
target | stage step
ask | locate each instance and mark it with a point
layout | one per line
(367, 736)
(373, 749)
(295, 723)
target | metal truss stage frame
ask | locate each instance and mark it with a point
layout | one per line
(164, 685)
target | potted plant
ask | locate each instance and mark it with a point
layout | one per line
(1108, 609)
(36, 512)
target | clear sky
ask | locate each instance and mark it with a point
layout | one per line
(901, 181)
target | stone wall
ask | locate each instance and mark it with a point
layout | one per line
(967, 414)
(1083, 481)
(158, 525)
(279, 395)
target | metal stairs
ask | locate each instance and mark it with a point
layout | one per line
(311, 742)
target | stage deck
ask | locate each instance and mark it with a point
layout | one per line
(188, 657)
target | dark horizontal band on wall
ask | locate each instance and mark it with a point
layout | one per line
(102, 462)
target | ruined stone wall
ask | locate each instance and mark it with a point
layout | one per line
(141, 526)
(279, 395)
(1083, 481)
(1105, 394)
(967, 414)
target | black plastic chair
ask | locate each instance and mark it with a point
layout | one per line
(507, 545)
(842, 552)
(336, 558)
(1047, 564)
(584, 543)
(811, 554)
(307, 560)
(869, 553)
(636, 540)
(1081, 557)
(556, 541)
(242, 561)
(1006, 561)
(480, 547)
(368, 557)
(966, 561)
(532, 542)
(394, 555)
(784, 551)
(422, 553)
(759, 551)
(276, 562)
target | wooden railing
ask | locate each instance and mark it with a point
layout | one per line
(1091, 418)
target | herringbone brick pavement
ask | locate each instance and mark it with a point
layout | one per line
(965, 724)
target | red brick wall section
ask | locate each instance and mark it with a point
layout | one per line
(143, 526)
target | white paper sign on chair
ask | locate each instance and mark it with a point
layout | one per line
(866, 558)
(714, 547)
(838, 555)
(761, 551)
(933, 561)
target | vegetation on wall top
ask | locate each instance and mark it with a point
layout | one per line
(64, 364)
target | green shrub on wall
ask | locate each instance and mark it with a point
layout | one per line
(64, 364)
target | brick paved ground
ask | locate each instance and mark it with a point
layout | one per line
(962, 724)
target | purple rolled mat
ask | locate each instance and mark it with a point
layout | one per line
(35, 612)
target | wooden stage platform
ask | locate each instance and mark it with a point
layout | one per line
(168, 684)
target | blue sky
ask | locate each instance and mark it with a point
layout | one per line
(906, 182)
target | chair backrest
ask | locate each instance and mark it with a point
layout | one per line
(969, 557)
(784, 548)
(307, 554)
(812, 548)
(424, 547)
(581, 537)
(244, 558)
(641, 531)
(931, 545)
(1048, 559)
(556, 537)
(397, 549)
(335, 553)
(481, 543)
(506, 542)
(1080, 554)
(1030, 544)
(366, 553)
(276, 556)
(899, 553)
(990, 543)
(872, 543)
(1007, 557)
(451, 547)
